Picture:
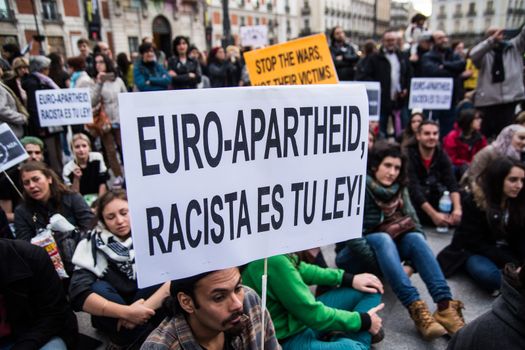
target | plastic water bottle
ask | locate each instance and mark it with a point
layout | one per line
(445, 207)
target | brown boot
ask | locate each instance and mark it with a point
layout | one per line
(451, 318)
(425, 323)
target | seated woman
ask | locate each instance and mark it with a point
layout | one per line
(490, 234)
(386, 202)
(87, 172)
(343, 318)
(462, 143)
(510, 143)
(104, 283)
(409, 134)
(45, 195)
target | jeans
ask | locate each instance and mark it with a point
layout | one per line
(55, 343)
(108, 325)
(343, 299)
(484, 272)
(411, 246)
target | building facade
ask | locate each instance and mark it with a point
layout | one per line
(400, 14)
(121, 23)
(281, 17)
(467, 20)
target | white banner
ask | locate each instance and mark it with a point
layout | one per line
(221, 177)
(11, 150)
(254, 36)
(431, 93)
(373, 91)
(64, 107)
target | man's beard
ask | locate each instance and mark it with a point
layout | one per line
(235, 330)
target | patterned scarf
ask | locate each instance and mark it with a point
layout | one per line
(387, 198)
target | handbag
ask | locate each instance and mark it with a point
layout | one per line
(101, 123)
(396, 225)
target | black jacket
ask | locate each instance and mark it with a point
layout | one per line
(446, 64)
(37, 309)
(183, 70)
(344, 67)
(428, 185)
(479, 233)
(503, 327)
(73, 208)
(31, 84)
(378, 69)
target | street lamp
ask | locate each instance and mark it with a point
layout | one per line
(38, 37)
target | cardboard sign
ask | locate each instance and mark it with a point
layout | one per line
(220, 177)
(11, 150)
(373, 91)
(302, 61)
(64, 107)
(431, 93)
(254, 36)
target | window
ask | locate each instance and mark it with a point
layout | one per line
(257, 21)
(133, 43)
(243, 21)
(472, 9)
(5, 11)
(50, 10)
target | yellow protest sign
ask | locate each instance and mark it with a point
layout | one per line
(297, 62)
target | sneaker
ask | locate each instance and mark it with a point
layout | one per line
(451, 318)
(425, 323)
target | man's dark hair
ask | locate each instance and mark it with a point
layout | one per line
(186, 286)
(82, 41)
(418, 17)
(379, 152)
(427, 122)
(145, 47)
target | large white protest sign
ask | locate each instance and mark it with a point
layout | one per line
(11, 150)
(254, 36)
(220, 177)
(431, 93)
(64, 107)
(373, 92)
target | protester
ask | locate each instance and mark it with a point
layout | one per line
(57, 71)
(125, 70)
(490, 234)
(10, 52)
(500, 80)
(345, 317)
(391, 69)
(414, 31)
(9, 196)
(45, 195)
(213, 310)
(424, 45)
(502, 327)
(105, 96)
(408, 137)
(184, 70)
(79, 76)
(430, 173)
(509, 143)
(21, 69)
(35, 312)
(103, 48)
(442, 62)
(38, 80)
(104, 283)
(369, 48)
(386, 202)
(12, 111)
(462, 143)
(147, 73)
(217, 68)
(343, 54)
(85, 52)
(234, 63)
(520, 118)
(86, 173)
(160, 56)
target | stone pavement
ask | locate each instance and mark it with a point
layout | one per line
(400, 333)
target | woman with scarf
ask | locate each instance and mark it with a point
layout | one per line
(104, 283)
(392, 230)
(490, 234)
(509, 143)
(38, 79)
(462, 143)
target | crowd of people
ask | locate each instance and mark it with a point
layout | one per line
(470, 157)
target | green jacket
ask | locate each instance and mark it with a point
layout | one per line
(291, 303)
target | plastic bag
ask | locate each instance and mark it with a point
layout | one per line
(44, 239)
